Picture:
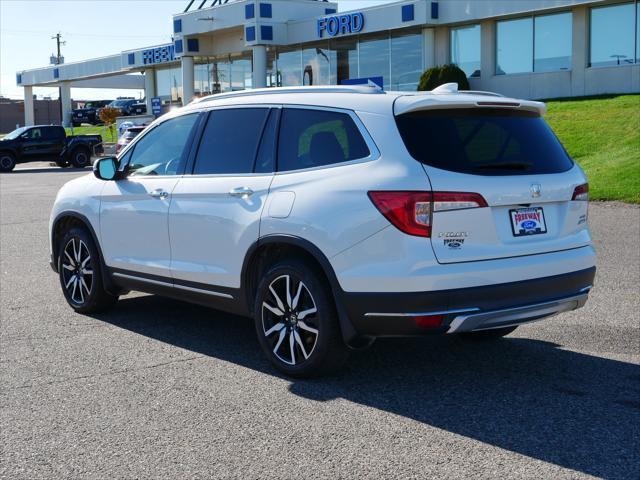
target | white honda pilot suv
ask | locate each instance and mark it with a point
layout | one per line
(335, 215)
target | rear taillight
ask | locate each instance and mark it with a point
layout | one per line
(581, 192)
(412, 212)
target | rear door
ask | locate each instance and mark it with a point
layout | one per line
(524, 181)
(215, 212)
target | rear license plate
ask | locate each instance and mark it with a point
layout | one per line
(527, 221)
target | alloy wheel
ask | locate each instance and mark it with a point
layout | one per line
(77, 270)
(289, 320)
(6, 162)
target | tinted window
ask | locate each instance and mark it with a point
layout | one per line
(230, 141)
(313, 138)
(266, 161)
(161, 150)
(35, 134)
(483, 141)
(53, 133)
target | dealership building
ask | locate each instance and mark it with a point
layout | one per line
(523, 48)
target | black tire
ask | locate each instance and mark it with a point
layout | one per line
(7, 162)
(80, 273)
(314, 354)
(81, 157)
(487, 335)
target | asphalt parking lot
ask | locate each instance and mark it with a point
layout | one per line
(161, 389)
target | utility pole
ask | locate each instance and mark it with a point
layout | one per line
(58, 60)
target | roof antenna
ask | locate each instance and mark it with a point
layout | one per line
(446, 88)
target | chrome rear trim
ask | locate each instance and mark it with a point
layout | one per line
(515, 316)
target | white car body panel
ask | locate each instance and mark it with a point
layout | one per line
(134, 226)
(80, 196)
(211, 230)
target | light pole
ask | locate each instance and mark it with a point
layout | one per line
(57, 60)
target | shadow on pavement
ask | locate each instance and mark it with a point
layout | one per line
(529, 396)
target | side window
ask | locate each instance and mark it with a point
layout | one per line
(52, 133)
(162, 150)
(34, 134)
(314, 138)
(230, 141)
(266, 161)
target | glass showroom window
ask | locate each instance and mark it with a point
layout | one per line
(553, 43)
(346, 59)
(240, 72)
(540, 44)
(169, 85)
(465, 49)
(406, 61)
(613, 33)
(515, 46)
(316, 64)
(289, 65)
(374, 57)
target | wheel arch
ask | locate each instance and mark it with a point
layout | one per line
(62, 223)
(271, 248)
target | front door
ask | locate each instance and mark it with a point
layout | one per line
(215, 213)
(134, 210)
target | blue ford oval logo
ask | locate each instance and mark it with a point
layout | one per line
(529, 225)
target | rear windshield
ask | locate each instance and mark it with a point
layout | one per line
(483, 141)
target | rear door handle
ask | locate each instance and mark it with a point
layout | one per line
(243, 192)
(159, 193)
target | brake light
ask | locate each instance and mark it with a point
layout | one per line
(581, 192)
(412, 212)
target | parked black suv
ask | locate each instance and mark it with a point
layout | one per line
(139, 108)
(47, 142)
(124, 105)
(89, 113)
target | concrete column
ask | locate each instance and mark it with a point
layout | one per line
(65, 102)
(442, 40)
(149, 87)
(259, 78)
(29, 113)
(580, 50)
(487, 53)
(188, 80)
(428, 34)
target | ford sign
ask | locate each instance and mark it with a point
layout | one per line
(341, 24)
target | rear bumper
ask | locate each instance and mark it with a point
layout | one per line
(466, 309)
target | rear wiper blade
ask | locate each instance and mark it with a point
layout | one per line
(504, 166)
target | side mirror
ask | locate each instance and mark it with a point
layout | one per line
(106, 168)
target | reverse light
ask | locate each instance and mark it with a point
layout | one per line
(412, 212)
(581, 192)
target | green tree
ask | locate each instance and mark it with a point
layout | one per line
(436, 76)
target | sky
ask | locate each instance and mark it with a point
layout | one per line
(91, 28)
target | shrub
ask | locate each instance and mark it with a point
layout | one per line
(436, 76)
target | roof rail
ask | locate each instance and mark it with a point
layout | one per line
(361, 89)
(480, 92)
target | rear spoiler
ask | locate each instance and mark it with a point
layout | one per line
(428, 101)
